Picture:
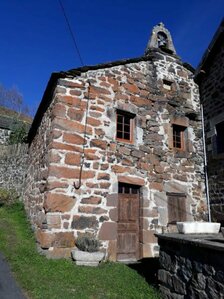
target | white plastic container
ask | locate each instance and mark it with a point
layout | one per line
(190, 227)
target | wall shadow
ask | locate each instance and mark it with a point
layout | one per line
(147, 268)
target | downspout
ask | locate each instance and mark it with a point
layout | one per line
(205, 165)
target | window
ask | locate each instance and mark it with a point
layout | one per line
(179, 137)
(176, 207)
(220, 137)
(124, 188)
(125, 126)
(167, 84)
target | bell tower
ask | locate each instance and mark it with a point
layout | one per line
(160, 39)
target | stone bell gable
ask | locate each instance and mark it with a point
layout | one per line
(116, 151)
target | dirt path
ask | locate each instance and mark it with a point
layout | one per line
(8, 286)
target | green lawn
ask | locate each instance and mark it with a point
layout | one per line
(43, 278)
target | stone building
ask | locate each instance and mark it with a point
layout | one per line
(210, 77)
(116, 150)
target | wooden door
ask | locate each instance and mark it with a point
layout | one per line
(128, 223)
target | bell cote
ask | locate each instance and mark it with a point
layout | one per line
(160, 39)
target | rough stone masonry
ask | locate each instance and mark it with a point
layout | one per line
(159, 93)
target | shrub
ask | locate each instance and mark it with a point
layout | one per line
(8, 197)
(87, 243)
(18, 133)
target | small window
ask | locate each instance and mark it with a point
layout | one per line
(167, 84)
(125, 126)
(176, 207)
(179, 137)
(220, 137)
(128, 188)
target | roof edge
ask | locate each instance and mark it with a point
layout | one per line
(211, 48)
(44, 104)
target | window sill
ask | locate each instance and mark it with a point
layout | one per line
(181, 153)
(131, 142)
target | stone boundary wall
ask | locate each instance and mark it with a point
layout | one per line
(13, 166)
(191, 268)
(4, 136)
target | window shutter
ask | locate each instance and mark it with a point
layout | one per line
(176, 207)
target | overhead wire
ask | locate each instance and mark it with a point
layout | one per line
(71, 32)
(77, 186)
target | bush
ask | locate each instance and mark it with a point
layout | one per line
(8, 197)
(18, 133)
(87, 243)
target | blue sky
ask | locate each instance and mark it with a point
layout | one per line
(35, 40)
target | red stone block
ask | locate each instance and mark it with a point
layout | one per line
(55, 202)
(69, 173)
(64, 240)
(98, 143)
(69, 100)
(92, 210)
(98, 91)
(64, 147)
(45, 239)
(75, 114)
(121, 169)
(56, 184)
(59, 110)
(70, 126)
(73, 138)
(75, 92)
(71, 84)
(93, 122)
(73, 159)
(54, 157)
(92, 200)
(131, 180)
(103, 176)
(131, 88)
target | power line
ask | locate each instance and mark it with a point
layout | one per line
(71, 32)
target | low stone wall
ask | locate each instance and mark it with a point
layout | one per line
(191, 267)
(13, 166)
(4, 136)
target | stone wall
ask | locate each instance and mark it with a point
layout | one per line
(58, 211)
(13, 166)
(4, 136)
(191, 267)
(212, 94)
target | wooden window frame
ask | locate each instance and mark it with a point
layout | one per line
(124, 188)
(181, 130)
(129, 116)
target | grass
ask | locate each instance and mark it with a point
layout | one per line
(43, 278)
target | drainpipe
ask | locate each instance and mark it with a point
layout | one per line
(205, 165)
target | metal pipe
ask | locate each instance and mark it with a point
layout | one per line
(205, 165)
